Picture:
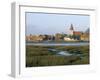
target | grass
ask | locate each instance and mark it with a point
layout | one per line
(41, 56)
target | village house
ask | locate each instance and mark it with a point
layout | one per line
(38, 38)
(34, 38)
(68, 39)
(85, 37)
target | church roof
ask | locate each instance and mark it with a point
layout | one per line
(77, 33)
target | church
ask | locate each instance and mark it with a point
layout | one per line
(73, 32)
(84, 36)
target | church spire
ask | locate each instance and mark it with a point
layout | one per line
(71, 30)
(71, 27)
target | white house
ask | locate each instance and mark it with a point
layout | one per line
(68, 39)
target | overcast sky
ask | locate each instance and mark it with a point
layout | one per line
(43, 23)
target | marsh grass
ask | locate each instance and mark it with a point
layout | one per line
(41, 56)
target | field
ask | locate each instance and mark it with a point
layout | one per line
(41, 55)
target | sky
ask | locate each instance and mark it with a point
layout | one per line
(44, 23)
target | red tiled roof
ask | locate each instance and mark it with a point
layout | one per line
(77, 33)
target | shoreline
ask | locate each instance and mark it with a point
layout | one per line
(59, 44)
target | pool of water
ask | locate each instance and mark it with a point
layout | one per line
(58, 52)
(64, 53)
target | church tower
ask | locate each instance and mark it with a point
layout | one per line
(71, 30)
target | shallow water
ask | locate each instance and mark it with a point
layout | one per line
(59, 44)
(58, 52)
(65, 53)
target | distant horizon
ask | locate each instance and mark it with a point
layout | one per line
(50, 24)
